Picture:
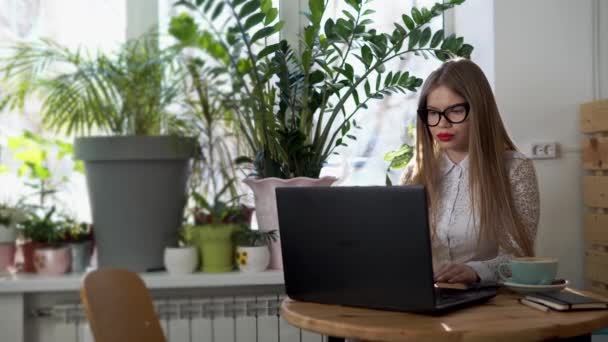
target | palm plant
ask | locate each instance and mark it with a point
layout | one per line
(291, 103)
(126, 93)
(144, 163)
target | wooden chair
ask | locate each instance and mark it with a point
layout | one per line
(119, 307)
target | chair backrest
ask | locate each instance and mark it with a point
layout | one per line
(119, 307)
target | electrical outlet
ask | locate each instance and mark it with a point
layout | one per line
(544, 150)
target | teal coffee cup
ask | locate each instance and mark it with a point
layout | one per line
(529, 270)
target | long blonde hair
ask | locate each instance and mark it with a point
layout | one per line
(490, 189)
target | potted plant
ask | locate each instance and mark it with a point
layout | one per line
(46, 250)
(10, 217)
(79, 237)
(138, 167)
(215, 225)
(290, 100)
(252, 252)
(215, 211)
(181, 258)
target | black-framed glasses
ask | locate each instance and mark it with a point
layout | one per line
(454, 114)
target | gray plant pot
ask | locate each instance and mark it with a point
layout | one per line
(137, 189)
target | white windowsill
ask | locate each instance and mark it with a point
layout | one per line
(27, 283)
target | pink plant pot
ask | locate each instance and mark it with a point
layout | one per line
(7, 256)
(52, 260)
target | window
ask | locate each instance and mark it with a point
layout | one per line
(91, 24)
(384, 124)
(102, 25)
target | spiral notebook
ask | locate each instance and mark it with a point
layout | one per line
(567, 300)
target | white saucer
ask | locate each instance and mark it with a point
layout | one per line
(524, 288)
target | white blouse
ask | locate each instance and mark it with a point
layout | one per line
(457, 233)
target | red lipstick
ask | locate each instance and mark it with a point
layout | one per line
(445, 136)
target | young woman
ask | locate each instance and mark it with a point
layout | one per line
(482, 193)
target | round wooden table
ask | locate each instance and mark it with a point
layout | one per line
(500, 319)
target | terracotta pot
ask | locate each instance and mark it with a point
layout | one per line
(26, 255)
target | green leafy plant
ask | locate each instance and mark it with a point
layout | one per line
(290, 103)
(33, 151)
(43, 226)
(122, 93)
(255, 238)
(213, 182)
(220, 212)
(76, 231)
(400, 157)
(11, 215)
(214, 172)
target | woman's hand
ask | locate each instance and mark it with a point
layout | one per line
(456, 273)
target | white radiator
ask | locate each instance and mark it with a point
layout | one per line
(184, 319)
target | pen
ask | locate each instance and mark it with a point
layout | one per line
(533, 305)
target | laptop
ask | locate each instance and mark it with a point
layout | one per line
(365, 247)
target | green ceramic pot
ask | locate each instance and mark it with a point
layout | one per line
(216, 249)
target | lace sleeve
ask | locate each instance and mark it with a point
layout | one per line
(524, 187)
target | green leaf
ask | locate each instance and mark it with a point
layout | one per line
(378, 81)
(253, 20)
(349, 15)
(266, 31)
(354, 4)
(425, 37)
(266, 5)
(388, 79)
(184, 29)
(243, 160)
(437, 37)
(367, 89)
(369, 11)
(316, 76)
(356, 97)
(316, 10)
(249, 8)
(409, 23)
(217, 11)
(465, 51)
(367, 55)
(426, 14)
(268, 50)
(350, 72)
(208, 6)
(236, 3)
(271, 15)
(329, 28)
(413, 39)
(381, 68)
(417, 16)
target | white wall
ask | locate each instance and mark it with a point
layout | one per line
(540, 58)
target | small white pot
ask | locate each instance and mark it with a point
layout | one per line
(181, 260)
(252, 259)
(7, 234)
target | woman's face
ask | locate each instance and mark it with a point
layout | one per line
(451, 137)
